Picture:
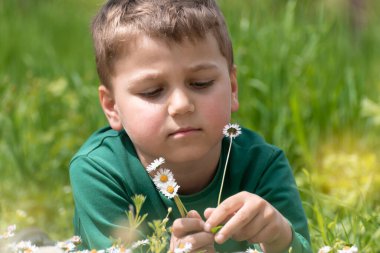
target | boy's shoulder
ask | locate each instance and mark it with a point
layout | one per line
(250, 139)
(102, 142)
(250, 149)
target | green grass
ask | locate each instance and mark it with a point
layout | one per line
(304, 71)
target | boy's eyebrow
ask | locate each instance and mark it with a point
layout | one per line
(152, 76)
(203, 66)
(143, 77)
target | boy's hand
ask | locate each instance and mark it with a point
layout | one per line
(247, 216)
(191, 229)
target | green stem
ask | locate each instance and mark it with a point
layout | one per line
(224, 171)
(180, 206)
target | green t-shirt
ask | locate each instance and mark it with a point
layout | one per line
(106, 173)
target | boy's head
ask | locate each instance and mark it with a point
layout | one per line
(119, 23)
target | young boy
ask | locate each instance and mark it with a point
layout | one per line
(168, 87)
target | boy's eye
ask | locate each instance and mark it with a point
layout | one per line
(151, 93)
(201, 85)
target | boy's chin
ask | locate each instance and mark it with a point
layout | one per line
(190, 154)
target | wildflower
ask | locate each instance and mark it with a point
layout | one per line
(249, 250)
(66, 245)
(140, 243)
(24, 246)
(183, 247)
(232, 130)
(348, 249)
(163, 177)
(170, 189)
(324, 249)
(166, 184)
(155, 164)
(118, 249)
(76, 240)
(10, 232)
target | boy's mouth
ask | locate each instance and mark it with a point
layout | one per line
(183, 132)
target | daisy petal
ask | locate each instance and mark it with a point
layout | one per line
(232, 130)
(155, 164)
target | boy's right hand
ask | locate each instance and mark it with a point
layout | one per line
(191, 229)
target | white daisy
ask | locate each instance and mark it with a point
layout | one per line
(66, 245)
(163, 177)
(249, 250)
(24, 246)
(170, 189)
(348, 249)
(155, 164)
(232, 130)
(118, 249)
(76, 240)
(324, 249)
(140, 243)
(183, 247)
(10, 232)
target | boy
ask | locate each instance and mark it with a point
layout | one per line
(168, 87)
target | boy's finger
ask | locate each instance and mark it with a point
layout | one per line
(193, 214)
(200, 240)
(185, 226)
(243, 217)
(223, 211)
(208, 212)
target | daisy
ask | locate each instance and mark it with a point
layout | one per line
(140, 243)
(76, 240)
(66, 245)
(10, 232)
(183, 247)
(155, 164)
(170, 189)
(324, 249)
(25, 246)
(249, 250)
(348, 249)
(163, 177)
(232, 130)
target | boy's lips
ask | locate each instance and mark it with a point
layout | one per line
(184, 131)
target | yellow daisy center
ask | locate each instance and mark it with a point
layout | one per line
(181, 245)
(170, 189)
(163, 178)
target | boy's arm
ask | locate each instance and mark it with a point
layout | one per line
(277, 186)
(99, 202)
(273, 216)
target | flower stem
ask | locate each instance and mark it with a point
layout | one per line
(181, 207)
(224, 171)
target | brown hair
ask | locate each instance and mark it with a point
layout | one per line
(119, 21)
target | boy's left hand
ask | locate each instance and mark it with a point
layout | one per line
(191, 229)
(247, 216)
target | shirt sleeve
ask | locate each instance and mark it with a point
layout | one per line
(278, 187)
(100, 202)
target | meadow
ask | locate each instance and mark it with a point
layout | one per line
(309, 82)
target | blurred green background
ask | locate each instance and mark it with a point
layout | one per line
(309, 82)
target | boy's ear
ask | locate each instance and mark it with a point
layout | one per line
(234, 89)
(109, 106)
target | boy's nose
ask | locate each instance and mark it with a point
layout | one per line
(180, 103)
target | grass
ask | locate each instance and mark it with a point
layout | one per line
(308, 81)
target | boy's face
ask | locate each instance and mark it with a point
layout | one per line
(172, 99)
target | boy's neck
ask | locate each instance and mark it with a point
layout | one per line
(194, 176)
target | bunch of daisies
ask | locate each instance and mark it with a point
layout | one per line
(164, 180)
